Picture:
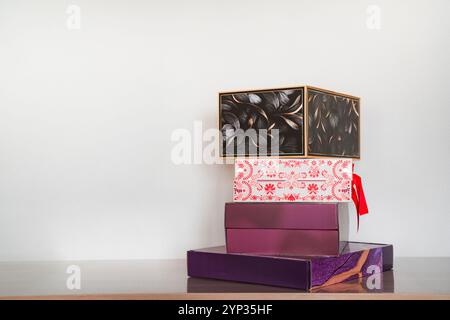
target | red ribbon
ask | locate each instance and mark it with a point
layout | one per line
(358, 197)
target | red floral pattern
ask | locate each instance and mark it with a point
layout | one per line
(305, 180)
(313, 188)
(270, 188)
(314, 172)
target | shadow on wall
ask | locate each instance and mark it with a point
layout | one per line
(344, 221)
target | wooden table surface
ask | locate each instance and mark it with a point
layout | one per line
(412, 278)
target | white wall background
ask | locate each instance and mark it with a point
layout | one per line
(86, 117)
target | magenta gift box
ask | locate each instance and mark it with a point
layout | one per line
(282, 228)
(356, 260)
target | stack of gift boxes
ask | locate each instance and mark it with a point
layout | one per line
(293, 151)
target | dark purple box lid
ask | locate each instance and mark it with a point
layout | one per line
(345, 247)
(309, 216)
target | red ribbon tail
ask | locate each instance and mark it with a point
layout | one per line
(358, 197)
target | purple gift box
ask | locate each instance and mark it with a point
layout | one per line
(307, 229)
(306, 273)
